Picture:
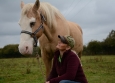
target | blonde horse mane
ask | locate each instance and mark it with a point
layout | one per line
(49, 11)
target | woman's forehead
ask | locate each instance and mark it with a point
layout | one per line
(62, 42)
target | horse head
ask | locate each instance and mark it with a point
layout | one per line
(27, 22)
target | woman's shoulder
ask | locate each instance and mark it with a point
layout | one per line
(73, 54)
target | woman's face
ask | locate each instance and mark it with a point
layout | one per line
(61, 46)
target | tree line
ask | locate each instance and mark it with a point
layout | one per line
(11, 51)
(105, 47)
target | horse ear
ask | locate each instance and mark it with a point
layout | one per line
(22, 4)
(36, 7)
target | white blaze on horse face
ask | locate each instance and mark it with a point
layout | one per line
(26, 41)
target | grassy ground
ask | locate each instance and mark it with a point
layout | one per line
(98, 69)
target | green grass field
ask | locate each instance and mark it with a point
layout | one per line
(98, 69)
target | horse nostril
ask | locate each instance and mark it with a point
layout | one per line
(26, 47)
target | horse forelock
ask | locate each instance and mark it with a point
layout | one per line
(26, 8)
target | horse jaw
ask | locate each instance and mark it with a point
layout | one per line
(26, 41)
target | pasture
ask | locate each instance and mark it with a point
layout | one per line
(98, 69)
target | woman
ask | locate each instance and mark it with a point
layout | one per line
(66, 65)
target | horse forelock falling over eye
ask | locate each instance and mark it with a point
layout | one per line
(26, 8)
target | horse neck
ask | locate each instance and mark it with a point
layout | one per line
(48, 33)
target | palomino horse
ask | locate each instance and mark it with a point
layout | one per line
(44, 22)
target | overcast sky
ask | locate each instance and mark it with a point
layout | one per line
(96, 18)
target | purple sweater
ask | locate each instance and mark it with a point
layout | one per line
(68, 69)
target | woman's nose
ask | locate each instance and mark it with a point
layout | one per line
(59, 42)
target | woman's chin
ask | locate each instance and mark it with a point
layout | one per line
(57, 47)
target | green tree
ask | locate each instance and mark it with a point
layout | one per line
(1, 53)
(94, 47)
(10, 51)
(109, 43)
(85, 50)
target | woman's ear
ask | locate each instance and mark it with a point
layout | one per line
(68, 47)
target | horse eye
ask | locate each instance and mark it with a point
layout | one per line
(32, 24)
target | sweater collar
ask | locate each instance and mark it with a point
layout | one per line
(64, 54)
